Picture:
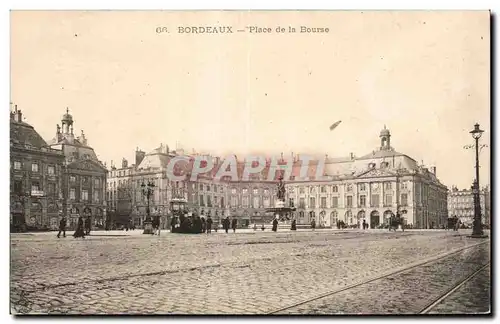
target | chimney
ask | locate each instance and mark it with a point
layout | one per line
(139, 156)
(351, 156)
(19, 115)
(124, 163)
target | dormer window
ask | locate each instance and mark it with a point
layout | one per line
(371, 165)
(385, 164)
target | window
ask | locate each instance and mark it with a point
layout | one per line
(255, 191)
(349, 201)
(85, 195)
(96, 196)
(202, 202)
(51, 189)
(35, 186)
(362, 201)
(256, 202)
(292, 202)
(208, 187)
(234, 201)
(404, 185)
(323, 189)
(335, 202)
(266, 202)
(17, 165)
(312, 202)
(244, 191)
(209, 201)
(388, 200)
(312, 190)
(404, 199)
(301, 214)
(335, 189)
(233, 191)
(266, 191)
(72, 179)
(362, 187)
(18, 186)
(349, 187)
(301, 190)
(222, 202)
(97, 182)
(72, 194)
(34, 167)
(323, 202)
(221, 189)
(302, 203)
(388, 185)
(245, 202)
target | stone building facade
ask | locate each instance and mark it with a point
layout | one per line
(84, 176)
(461, 204)
(371, 188)
(352, 189)
(36, 173)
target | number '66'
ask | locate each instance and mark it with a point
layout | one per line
(161, 30)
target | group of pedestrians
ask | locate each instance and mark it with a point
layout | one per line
(82, 228)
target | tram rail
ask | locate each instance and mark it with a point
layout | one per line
(403, 269)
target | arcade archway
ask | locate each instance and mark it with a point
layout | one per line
(374, 219)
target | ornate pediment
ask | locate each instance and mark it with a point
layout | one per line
(87, 165)
(375, 173)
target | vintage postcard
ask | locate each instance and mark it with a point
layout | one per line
(250, 162)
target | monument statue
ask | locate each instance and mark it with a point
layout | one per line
(281, 189)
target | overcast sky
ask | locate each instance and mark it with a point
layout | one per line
(425, 75)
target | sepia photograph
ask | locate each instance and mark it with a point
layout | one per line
(250, 162)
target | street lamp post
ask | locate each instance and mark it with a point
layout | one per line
(477, 230)
(147, 191)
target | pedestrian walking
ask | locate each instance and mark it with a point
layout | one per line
(203, 225)
(234, 223)
(79, 229)
(62, 227)
(87, 225)
(364, 224)
(226, 224)
(209, 224)
(313, 224)
(294, 225)
(275, 225)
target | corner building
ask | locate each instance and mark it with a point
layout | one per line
(84, 176)
(36, 173)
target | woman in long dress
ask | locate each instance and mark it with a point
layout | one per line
(79, 228)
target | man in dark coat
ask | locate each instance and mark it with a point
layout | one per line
(62, 227)
(275, 224)
(294, 225)
(234, 223)
(313, 224)
(226, 224)
(209, 224)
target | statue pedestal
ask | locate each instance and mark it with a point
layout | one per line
(148, 227)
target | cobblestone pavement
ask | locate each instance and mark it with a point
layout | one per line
(404, 293)
(472, 297)
(243, 273)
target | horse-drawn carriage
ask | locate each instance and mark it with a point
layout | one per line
(395, 222)
(453, 223)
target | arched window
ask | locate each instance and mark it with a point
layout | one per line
(335, 189)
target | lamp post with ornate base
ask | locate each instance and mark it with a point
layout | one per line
(477, 229)
(147, 191)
